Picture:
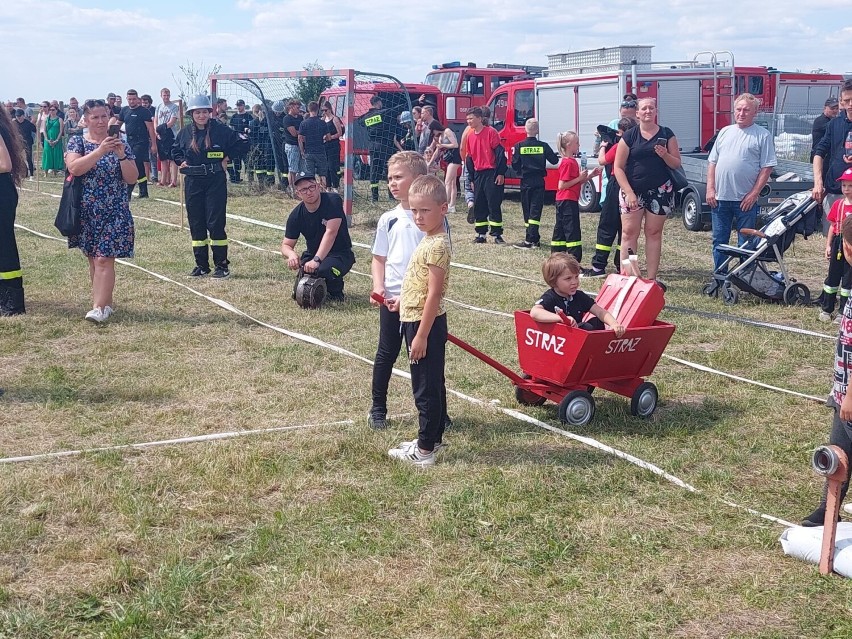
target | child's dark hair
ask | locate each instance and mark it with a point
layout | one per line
(625, 124)
(846, 229)
(558, 263)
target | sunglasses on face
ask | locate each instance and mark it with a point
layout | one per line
(628, 104)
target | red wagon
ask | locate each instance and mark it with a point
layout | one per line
(565, 364)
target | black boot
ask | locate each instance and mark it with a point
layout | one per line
(130, 188)
(12, 301)
(143, 189)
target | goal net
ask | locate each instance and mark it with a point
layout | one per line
(368, 108)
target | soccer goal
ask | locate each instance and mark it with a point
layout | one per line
(357, 164)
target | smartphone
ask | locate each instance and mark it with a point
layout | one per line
(663, 142)
(114, 130)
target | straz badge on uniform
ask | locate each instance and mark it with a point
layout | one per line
(215, 155)
(373, 120)
(532, 150)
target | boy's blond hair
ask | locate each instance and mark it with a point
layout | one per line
(558, 263)
(429, 186)
(564, 139)
(531, 127)
(411, 160)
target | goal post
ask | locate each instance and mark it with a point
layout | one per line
(363, 152)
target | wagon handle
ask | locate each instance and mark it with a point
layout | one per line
(516, 379)
(565, 319)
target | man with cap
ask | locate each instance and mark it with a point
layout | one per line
(241, 123)
(829, 112)
(320, 219)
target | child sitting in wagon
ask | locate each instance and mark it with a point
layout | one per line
(561, 271)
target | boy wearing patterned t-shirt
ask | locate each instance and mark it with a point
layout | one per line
(839, 276)
(841, 427)
(423, 319)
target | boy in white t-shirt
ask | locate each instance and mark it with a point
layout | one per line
(396, 238)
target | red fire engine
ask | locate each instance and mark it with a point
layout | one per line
(583, 89)
(468, 86)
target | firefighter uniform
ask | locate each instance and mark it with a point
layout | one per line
(381, 127)
(261, 164)
(529, 161)
(241, 123)
(205, 186)
(609, 226)
(135, 122)
(11, 277)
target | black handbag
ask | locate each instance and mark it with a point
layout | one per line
(67, 220)
(678, 178)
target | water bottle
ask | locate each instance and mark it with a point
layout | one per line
(584, 161)
(848, 151)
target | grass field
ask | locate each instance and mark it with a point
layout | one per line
(315, 532)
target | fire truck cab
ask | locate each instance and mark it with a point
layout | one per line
(468, 86)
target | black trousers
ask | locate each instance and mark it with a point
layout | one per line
(28, 150)
(11, 278)
(140, 152)
(532, 202)
(609, 230)
(206, 200)
(487, 203)
(378, 170)
(566, 231)
(390, 342)
(838, 280)
(332, 153)
(333, 269)
(427, 382)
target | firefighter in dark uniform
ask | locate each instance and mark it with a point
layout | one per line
(529, 161)
(13, 168)
(241, 123)
(262, 164)
(381, 128)
(276, 128)
(200, 151)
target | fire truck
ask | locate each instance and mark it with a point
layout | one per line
(583, 89)
(468, 86)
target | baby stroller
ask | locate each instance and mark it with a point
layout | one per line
(748, 268)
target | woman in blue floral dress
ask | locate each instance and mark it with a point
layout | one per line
(107, 166)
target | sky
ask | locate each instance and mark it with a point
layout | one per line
(55, 49)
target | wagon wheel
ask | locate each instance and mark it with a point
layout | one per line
(577, 408)
(797, 295)
(730, 295)
(526, 397)
(644, 400)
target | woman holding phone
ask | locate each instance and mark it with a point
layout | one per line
(106, 164)
(642, 161)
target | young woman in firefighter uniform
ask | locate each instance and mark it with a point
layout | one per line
(200, 151)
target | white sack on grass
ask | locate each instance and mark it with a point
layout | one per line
(806, 543)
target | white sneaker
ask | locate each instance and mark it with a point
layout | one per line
(96, 315)
(410, 454)
(824, 317)
(108, 311)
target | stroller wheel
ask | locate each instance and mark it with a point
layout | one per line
(711, 289)
(730, 295)
(797, 295)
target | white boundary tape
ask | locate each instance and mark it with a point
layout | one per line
(509, 412)
(168, 442)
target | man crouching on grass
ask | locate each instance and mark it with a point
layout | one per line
(423, 319)
(321, 220)
(841, 426)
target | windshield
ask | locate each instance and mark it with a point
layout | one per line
(447, 82)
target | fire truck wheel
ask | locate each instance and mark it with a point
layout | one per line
(644, 400)
(797, 295)
(577, 408)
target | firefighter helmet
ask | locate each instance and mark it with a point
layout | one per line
(405, 117)
(278, 106)
(309, 291)
(199, 102)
